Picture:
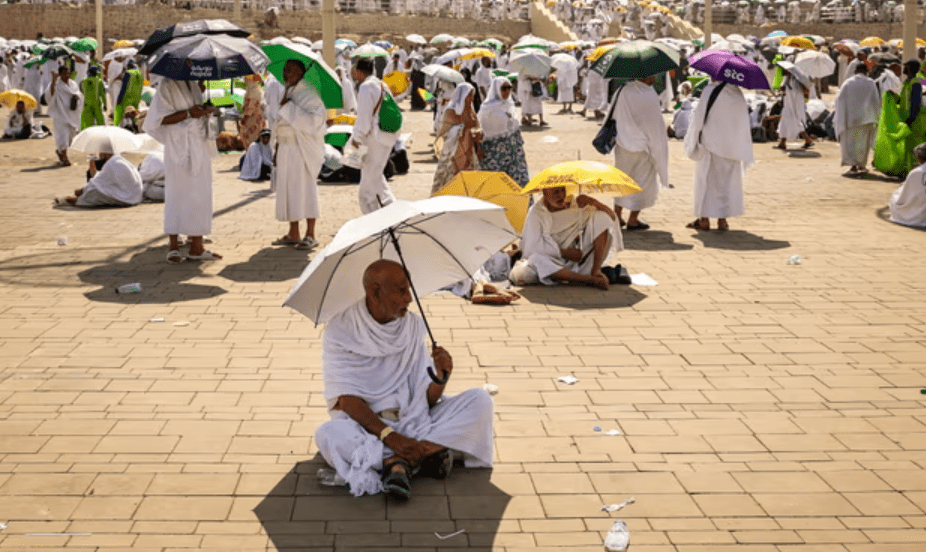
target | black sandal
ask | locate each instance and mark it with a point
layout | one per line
(395, 482)
(437, 465)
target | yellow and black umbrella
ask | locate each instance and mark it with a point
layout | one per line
(584, 177)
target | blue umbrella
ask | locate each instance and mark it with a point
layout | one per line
(207, 57)
(384, 44)
(774, 34)
(345, 42)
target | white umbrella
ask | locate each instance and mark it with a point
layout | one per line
(530, 62)
(442, 38)
(369, 50)
(443, 240)
(443, 72)
(105, 139)
(276, 41)
(815, 64)
(302, 40)
(318, 44)
(416, 39)
(563, 61)
(120, 52)
(796, 72)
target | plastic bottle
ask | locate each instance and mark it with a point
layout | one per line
(330, 478)
(129, 288)
(618, 539)
(794, 260)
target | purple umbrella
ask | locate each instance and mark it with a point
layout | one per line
(729, 67)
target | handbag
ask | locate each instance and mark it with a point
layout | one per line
(536, 89)
(606, 138)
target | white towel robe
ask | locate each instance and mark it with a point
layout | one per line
(300, 135)
(385, 365)
(530, 104)
(257, 155)
(187, 159)
(793, 112)
(118, 183)
(373, 190)
(908, 202)
(858, 107)
(722, 149)
(66, 120)
(642, 145)
(596, 95)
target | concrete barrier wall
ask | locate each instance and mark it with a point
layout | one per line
(25, 20)
(837, 31)
(546, 25)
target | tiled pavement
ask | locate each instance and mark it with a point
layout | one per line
(763, 407)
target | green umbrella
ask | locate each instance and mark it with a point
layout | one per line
(636, 60)
(225, 84)
(231, 99)
(38, 48)
(84, 45)
(35, 61)
(318, 74)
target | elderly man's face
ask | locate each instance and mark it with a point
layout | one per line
(392, 296)
(555, 198)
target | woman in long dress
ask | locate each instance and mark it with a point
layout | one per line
(502, 143)
(252, 118)
(461, 136)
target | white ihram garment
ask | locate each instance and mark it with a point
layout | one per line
(118, 183)
(66, 120)
(595, 91)
(722, 148)
(385, 366)
(300, 135)
(187, 159)
(530, 104)
(908, 202)
(858, 106)
(793, 112)
(373, 189)
(642, 147)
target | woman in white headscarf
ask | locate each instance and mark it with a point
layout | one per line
(502, 144)
(460, 133)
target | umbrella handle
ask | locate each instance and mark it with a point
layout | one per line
(435, 378)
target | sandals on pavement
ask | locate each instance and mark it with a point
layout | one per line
(204, 256)
(437, 465)
(174, 256)
(307, 243)
(637, 226)
(396, 483)
(696, 224)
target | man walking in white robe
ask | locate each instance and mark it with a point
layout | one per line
(386, 413)
(641, 149)
(373, 191)
(596, 93)
(65, 103)
(793, 113)
(178, 119)
(858, 106)
(720, 141)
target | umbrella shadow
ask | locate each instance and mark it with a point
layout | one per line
(161, 282)
(292, 512)
(738, 240)
(654, 240)
(803, 154)
(270, 264)
(582, 297)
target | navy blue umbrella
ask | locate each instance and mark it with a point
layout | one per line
(190, 28)
(207, 57)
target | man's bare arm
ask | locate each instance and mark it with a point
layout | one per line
(585, 200)
(404, 447)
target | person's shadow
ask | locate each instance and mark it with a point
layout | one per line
(582, 297)
(738, 240)
(298, 512)
(161, 282)
(270, 264)
(653, 240)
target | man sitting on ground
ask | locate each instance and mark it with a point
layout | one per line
(908, 203)
(387, 414)
(257, 163)
(568, 241)
(116, 184)
(19, 125)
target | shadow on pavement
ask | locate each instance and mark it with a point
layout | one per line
(581, 297)
(299, 513)
(738, 240)
(270, 264)
(653, 240)
(807, 154)
(161, 282)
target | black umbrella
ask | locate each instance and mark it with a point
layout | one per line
(207, 57)
(189, 28)
(57, 50)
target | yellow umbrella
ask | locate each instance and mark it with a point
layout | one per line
(494, 187)
(584, 177)
(123, 44)
(478, 53)
(9, 99)
(598, 52)
(798, 42)
(570, 45)
(551, 3)
(344, 120)
(919, 43)
(872, 41)
(397, 81)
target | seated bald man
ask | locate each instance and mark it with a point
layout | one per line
(389, 421)
(568, 240)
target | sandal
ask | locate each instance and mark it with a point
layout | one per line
(285, 240)
(637, 226)
(437, 465)
(174, 257)
(395, 482)
(204, 256)
(696, 224)
(307, 243)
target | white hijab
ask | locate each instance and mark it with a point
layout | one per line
(458, 101)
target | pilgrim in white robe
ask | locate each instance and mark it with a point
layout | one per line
(66, 121)
(4, 77)
(530, 104)
(682, 119)
(385, 365)
(273, 94)
(908, 202)
(32, 82)
(642, 146)
(373, 191)
(300, 135)
(793, 111)
(888, 81)
(858, 107)
(546, 234)
(118, 184)
(151, 171)
(596, 91)
(722, 148)
(566, 78)
(187, 159)
(257, 156)
(348, 97)
(17, 123)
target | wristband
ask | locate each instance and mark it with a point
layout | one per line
(189, 114)
(385, 433)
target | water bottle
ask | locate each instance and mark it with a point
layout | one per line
(330, 478)
(129, 288)
(618, 538)
(794, 260)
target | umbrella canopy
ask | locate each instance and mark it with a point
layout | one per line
(443, 72)
(397, 81)
(369, 50)
(777, 33)
(123, 44)
(476, 53)
(636, 60)
(442, 38)
(494, 187)
(34, 61)
(796, 72)
(815, 65)
(384, 44)
(105, 139)
(846, 48)
(586, 177)
(599, 51)
(337, 135)
(121, 52)
(493, 43)
(530, 62)
(207, 57)
(416, 39)
(872, 42)
(301, 40)
(730, 68)
(442, 239)
(189, 28)
(9, 99)
(222, 98)
(317, 73)
(57, 50)
(84, 45)
(919, 43)
(798, 42)
(563, 61)
(346, 42)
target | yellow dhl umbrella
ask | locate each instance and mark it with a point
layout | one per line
(123, 44)
(872, 41)
(584, 177)
(494, 187)
(478, 53)
(9, 99)
(397, 81)
(551, 3)
(344, 120)
(798, 42)
(598, 52)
